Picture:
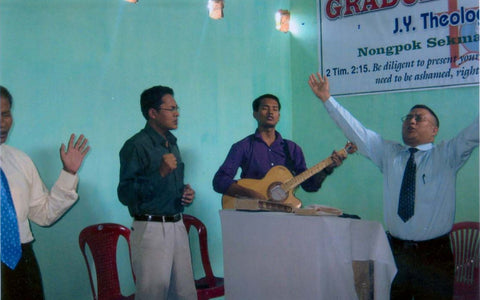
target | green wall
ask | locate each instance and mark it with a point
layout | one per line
(80, 66)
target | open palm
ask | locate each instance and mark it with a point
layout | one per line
(72, 158)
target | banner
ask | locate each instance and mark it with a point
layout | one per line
(372, 46)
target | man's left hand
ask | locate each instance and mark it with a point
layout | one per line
(337, 161)
(188, 195)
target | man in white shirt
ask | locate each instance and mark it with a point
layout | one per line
(31, 201)
(419, 239)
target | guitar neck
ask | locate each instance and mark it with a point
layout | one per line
(299, 179)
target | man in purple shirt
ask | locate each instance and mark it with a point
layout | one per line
(259, 152)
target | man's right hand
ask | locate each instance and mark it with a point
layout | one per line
(255, 195)
(319, 86)
(168, 165)
(236, 190)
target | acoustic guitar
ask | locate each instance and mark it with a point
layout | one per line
(278, 184)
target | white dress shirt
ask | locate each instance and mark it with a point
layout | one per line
(31, 198)
(437, 166)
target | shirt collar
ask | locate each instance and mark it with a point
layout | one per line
(423, 147)
(158, 138)
(278, 137)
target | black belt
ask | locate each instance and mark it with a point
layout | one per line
(159, 218)
(407, 244)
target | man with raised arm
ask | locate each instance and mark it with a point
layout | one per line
(418, 192)
(25, 197)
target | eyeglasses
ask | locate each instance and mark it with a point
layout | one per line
(418, 118)
(171, 109)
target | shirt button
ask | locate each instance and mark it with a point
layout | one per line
(272, 164)
(270, 150)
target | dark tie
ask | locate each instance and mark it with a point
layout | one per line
(406, 204)
(11, 247)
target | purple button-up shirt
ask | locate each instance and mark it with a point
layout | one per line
(256, 158)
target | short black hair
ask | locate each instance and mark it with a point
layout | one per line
(4, 93)
(429, 110)
(152, 98)
(256, 102)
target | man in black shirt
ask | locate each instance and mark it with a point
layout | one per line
(151, 185)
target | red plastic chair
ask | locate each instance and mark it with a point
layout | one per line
(208, 286)
(464, 240)
(102, 239)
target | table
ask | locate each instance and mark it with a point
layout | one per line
(274, 255)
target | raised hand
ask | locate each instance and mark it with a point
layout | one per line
(72, 159)
(319, 86)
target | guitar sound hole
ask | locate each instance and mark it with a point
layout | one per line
(276, 193)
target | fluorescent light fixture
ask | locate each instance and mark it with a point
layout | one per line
(215, 9)
(282, 20)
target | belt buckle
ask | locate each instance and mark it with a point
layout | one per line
(175, 217)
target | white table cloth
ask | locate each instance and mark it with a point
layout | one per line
(273, 255)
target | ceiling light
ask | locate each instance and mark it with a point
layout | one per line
(282, 20)
(215, 9)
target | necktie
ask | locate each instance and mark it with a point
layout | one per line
(406, 204)
(10, 239)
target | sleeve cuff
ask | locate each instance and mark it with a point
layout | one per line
(328, 170)
(68, 180)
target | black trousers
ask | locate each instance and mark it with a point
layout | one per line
(425, 269)
(25, 281)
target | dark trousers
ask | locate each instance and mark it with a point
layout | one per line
(25, 281)
(425, 269)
